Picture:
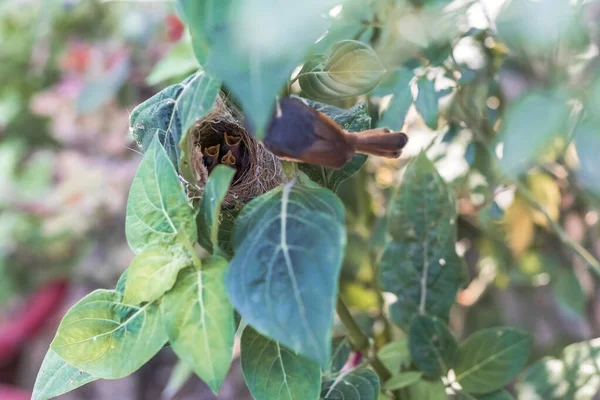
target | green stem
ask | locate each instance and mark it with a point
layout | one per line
(189, 246)
(360, 341)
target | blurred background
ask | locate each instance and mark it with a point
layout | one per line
(71, 71)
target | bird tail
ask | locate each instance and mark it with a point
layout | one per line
(379, 142)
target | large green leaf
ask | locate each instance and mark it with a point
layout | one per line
(171, 113)
(158, 212)
(432, 345)
(491, 358)
(393, 117)
(194, 13)
(198, 318)
(56, 377)
(350, 69)
(395, 354)
(355, 119)
(109, 339)
(420, 266)
(339, 356)
(283, 279)
(346, 25)
(427, 102)
(362, 384)
(152, 273)
(272, 371)
(499, 395)
(529, 126)
(215, 189)
(574, 376)
(256, 44)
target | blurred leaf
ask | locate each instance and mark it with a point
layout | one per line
(56, 377)
(180, 374)
(393, 117)
(491, 358)
(178, 61)
(395, 355)
(428, 390)
(272, 371)
(499, 395)
(122, 282)
(195, 14)
(346, 25)
(546, 192)
(420, 265)
(574, 376)
(340, 352)
(352, 68)
(587, 143)
(100, 90)
(282, 238)
(158, 212)
(106, 338)
(568, 291)
(470, 153)
(432, 346)
(152, 273)
(533, 26)
(427, 102)
(519, 226)
(198, 319)
(256, 45)
(529, 126)
(215, 190)
(362, 384)
(171, 113)
(354, 119)
(10, 105)
(402, 380)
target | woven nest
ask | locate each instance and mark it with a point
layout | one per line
(220, 138)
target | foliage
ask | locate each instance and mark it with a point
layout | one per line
(397, 241)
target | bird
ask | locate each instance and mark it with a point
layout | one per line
(298, 132)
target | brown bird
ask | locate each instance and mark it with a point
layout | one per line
(300, 133)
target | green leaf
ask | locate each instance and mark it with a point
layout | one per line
(432, 346)
(99, 90)
(56, 377)
(272, 371)
(529, 126)
(362, 384)
(355, 119)
(393, 117)
(106, 338)
(350, 69)
(346, 25)
(283, 279)
(194, 14)
(427, 102)
(420, 266)
(574, 376)
(256, 45)
(178, 61)
(499, 395)
(215, 189)
(568, 291)
(158, 212)
(198, 318)
(428, 390)
(402, 380)
(587, 143)
(122, 282)
(171, 113)
(152, 273)
(395, 355)
(339, 355)
(491, 358)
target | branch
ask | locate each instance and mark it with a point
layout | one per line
(360, 341)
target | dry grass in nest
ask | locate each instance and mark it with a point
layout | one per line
(257, 169)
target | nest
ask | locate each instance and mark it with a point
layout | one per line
(221, 138)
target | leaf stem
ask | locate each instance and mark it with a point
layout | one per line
(360, 341)
(188, 245)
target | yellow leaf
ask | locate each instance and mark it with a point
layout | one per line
(357, 295)
(547, 194)
(519, 226)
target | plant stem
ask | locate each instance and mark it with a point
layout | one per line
(360, 341)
